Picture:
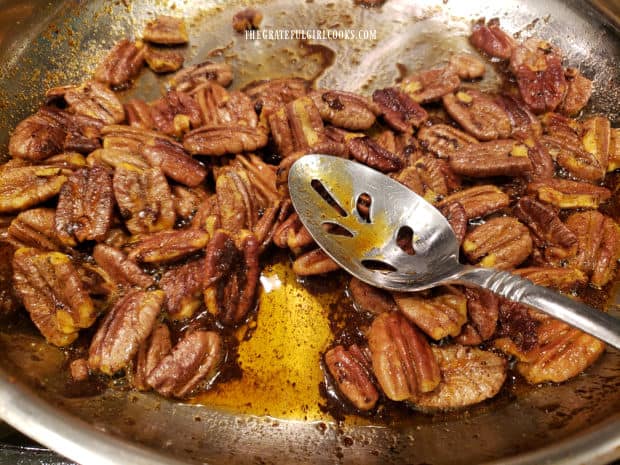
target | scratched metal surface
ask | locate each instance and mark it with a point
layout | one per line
(51, 43)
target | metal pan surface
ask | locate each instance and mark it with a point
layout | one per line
(43, 44)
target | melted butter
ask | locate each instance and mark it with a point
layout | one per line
(281, 360)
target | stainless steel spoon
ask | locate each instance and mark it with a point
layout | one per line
(325, 191)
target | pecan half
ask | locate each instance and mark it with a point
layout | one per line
(478, 114)
(193, 359)
(524, 123)
(491, 39)
(298, 127)
(231, 276)
(120, 269)
(314, 262)
(267, 225)
(350, 370)
(162, 60)
(50, 289)
(436, 177)
(174, 161)
(502, 157)
(166, 30)
(34, 228)
(443, 140)
(577, 94)
(570, 155)
(565, 279)
(399, 110)
(370, 299)
(235, 199)
(431, 85)
(167, 246)
(175, 113)
(247, 19)
(85, 206)
(469, 376)
(439, 316)
(192, 76)
(261, 176)
(563, 193)
(22, 187)
(218, 107)
(537, 66)
(483, 311)
(345, 109)
(187, 200)
(122, 64)
(150, 354)
(124, 329)
(467, 66)
(401, 358)
(220, 140)
(501, 243)
(37, 137)
(369, 152)
(144, 199)
(271, 94)
(544, 223)
(291, 233)
(184, 286)
(478, 201)
(598, 245)
(91, 99)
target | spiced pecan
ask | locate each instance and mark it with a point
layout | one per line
(369, 152)
(91, 99)
(578, 92)
(220, 140)
(537, 66)
(124, 329)
(345, 109)
(503, 157)
(218, 107)
(192, 76)
(443, 140)
(208, 215)
(267, 225)
(491, 39)
(439, 316)
(544, 223)
(298, 127)
(113, 158)
(564, 193)
(570, 155)
(144, 199)
(167, 246)
(22, 187)
(598, 245)
(269, 95)
(457, 217)
(501, 243)
(247, 19)
(436, 177)
(314, 262)
(478, 201)
(402, 359)
(467, 66)
(150, 354)
(399, 110)
(231, 276)
(50, 289)
(85, 206)
(478, 114)
(596, 139)
(351, 371)
(235, 199)
(122, 64)
(564, 279)
(166, 30)
(517, 326)
(183, 286)
(120, 269)
(193, 359)
(524, 123)
(34, 228)
(175, 113)
(370, 299)
(261, 176)
(174, 161)
(291, 233)
(561, 353)
(431, 85)
(468, 376)
(187, 200)
(163, 60)
(139, 114)
(482, 311)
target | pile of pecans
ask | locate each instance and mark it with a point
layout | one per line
(130, 217)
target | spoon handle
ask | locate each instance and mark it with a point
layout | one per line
(517, 289)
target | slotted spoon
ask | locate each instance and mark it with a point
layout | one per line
(325, 191)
